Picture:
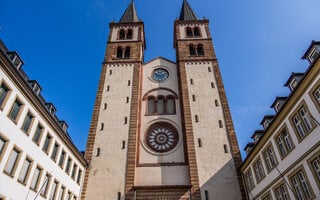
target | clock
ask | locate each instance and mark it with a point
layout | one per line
(162, 137)
(160, 74)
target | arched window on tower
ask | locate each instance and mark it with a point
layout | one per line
(129, 34)
(192, 50)
(189, 32)
(127, 52)
(160, 105)
(200, 51)
(119, 52)
(170, 105)
(151, 105)
(196, 31)
(121, 34)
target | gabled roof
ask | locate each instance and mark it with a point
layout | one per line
(313, 42)
(186, 13)
(130, 15)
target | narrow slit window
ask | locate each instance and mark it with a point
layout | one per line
(196, 118)
(206, 194)
(220, 124)
(101, 126)
(108, 88)
(125, 120)
(119, 196)
(191, 81)
(123, 145)
(212, 84)
(105, 106)
(129, 82)
(193, 97)
(110, 72)
(199, 142)
(225, 148)
(209, 69)
(216, 102)
(98, 152)
(127, 100)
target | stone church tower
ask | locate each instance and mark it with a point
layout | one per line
(161, 130)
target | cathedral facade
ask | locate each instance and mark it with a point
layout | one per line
(161, 129)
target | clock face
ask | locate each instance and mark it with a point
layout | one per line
(162, 137)
(160, 74)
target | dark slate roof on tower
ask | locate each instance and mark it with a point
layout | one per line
(187, 13)
(130, 15)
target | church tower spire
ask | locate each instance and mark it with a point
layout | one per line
(186, 13)
(130, 15)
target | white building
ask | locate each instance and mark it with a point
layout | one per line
(37, 157)
(283, 162)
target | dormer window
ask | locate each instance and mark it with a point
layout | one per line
(266, 121)
(313, 52)
(193, 32)
(15, 59)
(63, 125)
(314, 55)
(35, 87)
(293, 84)
(51, 108)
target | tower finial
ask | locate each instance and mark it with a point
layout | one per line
(187, 13)
(130, 15)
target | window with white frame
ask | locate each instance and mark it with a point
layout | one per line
(302, 122)
(25, 171)
(47, 143)
(284, 142)
(45, 185)
(27, 122)
(3, 145)
(37, 134)
(4, 91)
(281, 192)
(54, 189)
(301, 185)
(34, 185)
(258, 170)
(314, 164)
(269, 158)
(249, 180)
(12, 162)
(15, 110)
(62, 193)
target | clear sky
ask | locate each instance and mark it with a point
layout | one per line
(258, 44)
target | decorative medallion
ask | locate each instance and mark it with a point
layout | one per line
(160, 74)
(162, 137)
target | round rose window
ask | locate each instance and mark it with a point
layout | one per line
(162, 137)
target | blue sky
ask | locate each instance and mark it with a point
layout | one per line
(258, 44)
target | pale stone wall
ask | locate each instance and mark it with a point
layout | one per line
(216, 168)
(110, 166)
(160, 175)
(183, 35)
(116, 29)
